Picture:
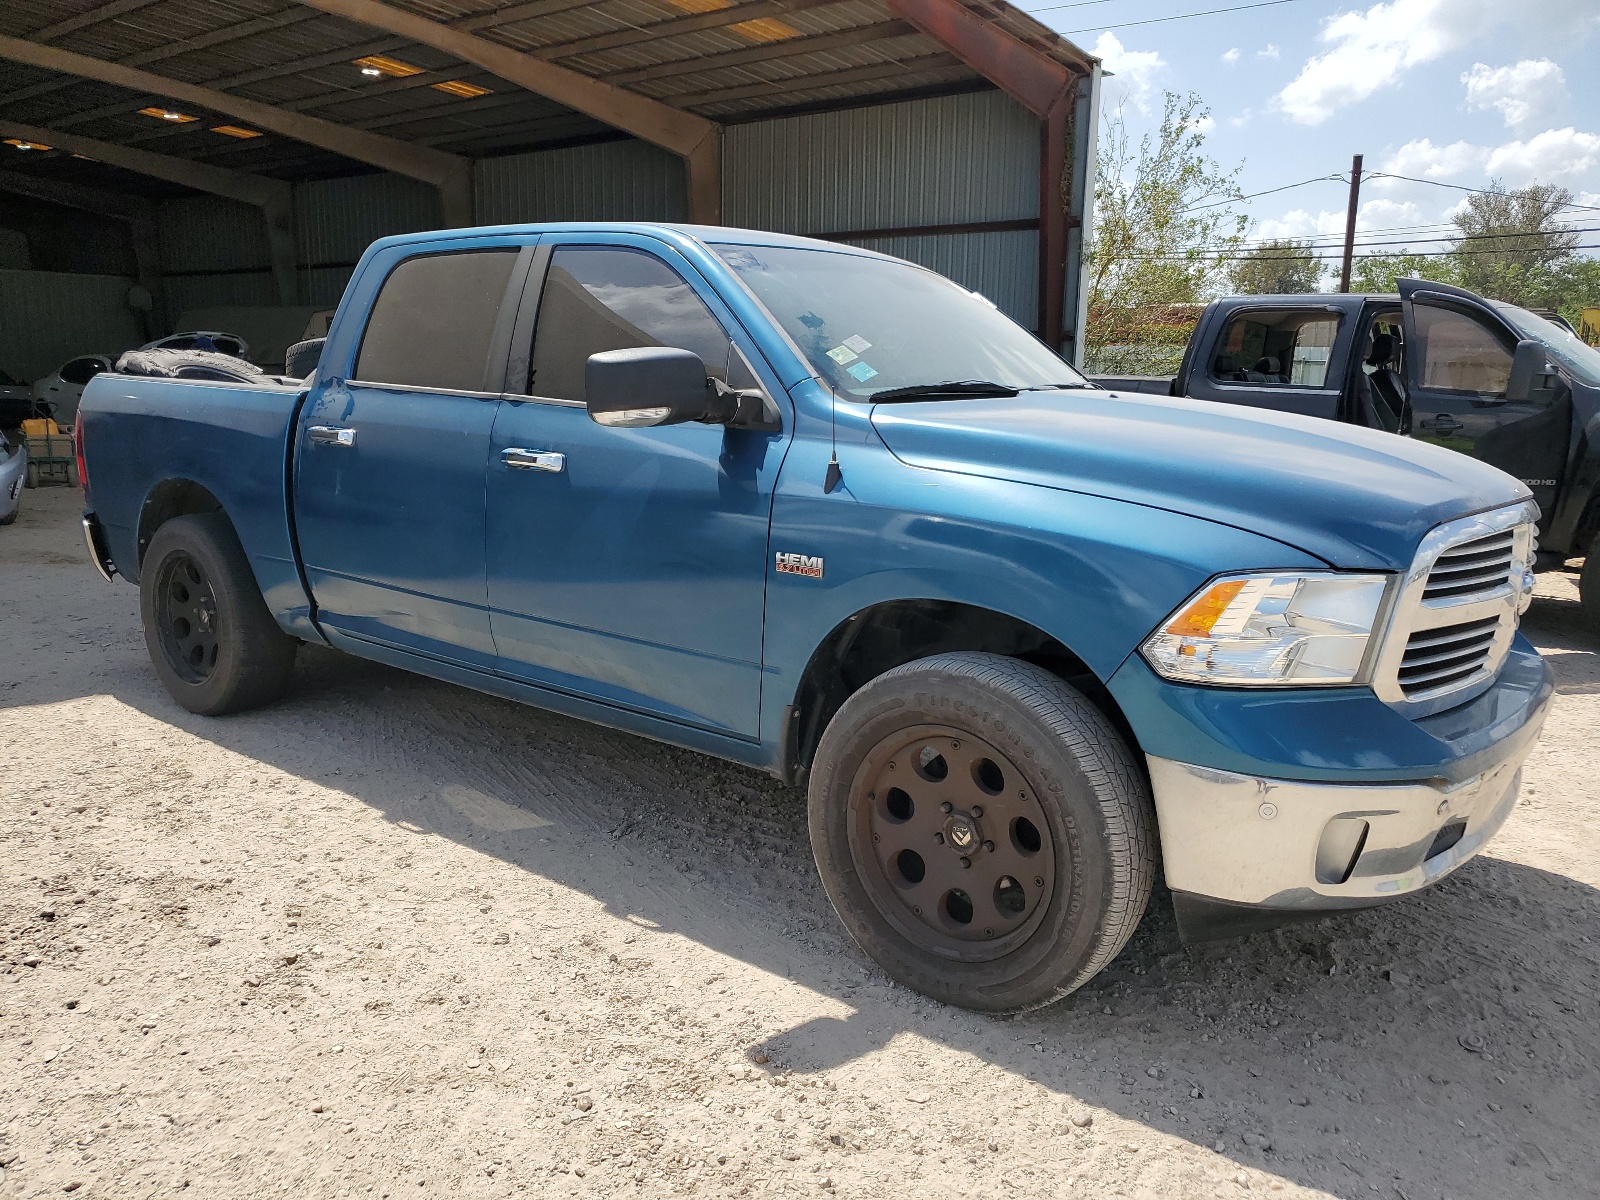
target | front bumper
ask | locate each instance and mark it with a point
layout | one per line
(1234, 841)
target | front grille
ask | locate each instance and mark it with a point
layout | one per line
(1438, 658)
(1481, 565)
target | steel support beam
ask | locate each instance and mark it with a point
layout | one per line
(273, 197)
(450, 173)
(1080, 211)
(696, 139)
(1049, 90)
(138, 212)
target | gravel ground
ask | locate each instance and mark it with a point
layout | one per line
(393, 938)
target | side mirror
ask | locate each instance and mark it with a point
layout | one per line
(645, 386)
(1528, 364)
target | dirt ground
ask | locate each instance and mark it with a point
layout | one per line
(393, 938)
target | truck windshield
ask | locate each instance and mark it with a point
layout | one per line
(872, 325)
(1564, 346)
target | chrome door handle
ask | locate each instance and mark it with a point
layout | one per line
(533, 460)
(328, 435)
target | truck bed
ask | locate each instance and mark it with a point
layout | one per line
(173, 436)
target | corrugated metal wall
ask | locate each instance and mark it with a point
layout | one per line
(337, 219)
(47, 317)
(947, 160)
(609, 181)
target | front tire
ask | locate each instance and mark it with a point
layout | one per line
(983, 831)
(1589, 589)
(212, 641)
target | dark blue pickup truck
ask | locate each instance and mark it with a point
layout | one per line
(825, 513)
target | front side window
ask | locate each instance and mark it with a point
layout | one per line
(598, 298)
(1459, 353)
(1276, 349)
(432, 323)
(869, 325)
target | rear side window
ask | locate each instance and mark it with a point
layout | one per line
(1276, 349)
(599, 299)
(1460, 354)
(434, 319)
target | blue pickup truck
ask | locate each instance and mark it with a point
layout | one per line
(826, 513)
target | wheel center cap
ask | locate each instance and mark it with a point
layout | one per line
(961, 832)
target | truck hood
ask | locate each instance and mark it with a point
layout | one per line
(1355, 498)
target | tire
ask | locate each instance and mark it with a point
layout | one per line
(11, 517)
(1589, 588)
(1040, 787)
(212, 641)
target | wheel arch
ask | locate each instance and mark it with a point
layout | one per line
(890, 633)
(176, 497)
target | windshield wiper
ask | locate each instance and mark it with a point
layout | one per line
(1056, 387)
(950, 387)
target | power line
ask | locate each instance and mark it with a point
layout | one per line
(1253, 195)
(1461, 188)
(1210, 12)
(1227, 256)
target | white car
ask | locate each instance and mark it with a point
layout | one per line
(13, 471)
(63, 388)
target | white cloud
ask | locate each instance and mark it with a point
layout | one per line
(1231, 56)
(1270, 50)
(1205, 124)
(1520, 92)
(1134, 71)
(1326, 226)
(1421, 159)
(1548, 155)
(1371, 50)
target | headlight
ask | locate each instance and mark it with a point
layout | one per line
(1256, 629)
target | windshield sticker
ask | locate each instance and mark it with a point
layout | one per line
(860, 371)
(842, 355)
(858, 343)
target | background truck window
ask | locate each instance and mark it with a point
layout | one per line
(1276, 349)
(1459, 353)
(598, 299)
(434, 319)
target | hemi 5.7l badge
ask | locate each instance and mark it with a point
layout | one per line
(799, 564)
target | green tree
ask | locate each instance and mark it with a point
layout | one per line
(1163, 221)
(1514, 246)
(1380, 272)
(1276, 268)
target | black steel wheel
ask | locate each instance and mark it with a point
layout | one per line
(186, 618)
(211, 639)
(953, 851)
(983, 831)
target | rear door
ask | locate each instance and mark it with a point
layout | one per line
(389, 476)
(1277, 356)
(628, 565)
(1458, 360)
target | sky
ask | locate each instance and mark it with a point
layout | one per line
(1459, 92)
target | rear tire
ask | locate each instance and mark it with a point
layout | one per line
(1589, 588)
(212, 641)
(1028, 830)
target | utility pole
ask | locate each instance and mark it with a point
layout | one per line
(1350, 223)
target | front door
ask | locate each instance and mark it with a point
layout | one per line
(389, 474)
(629, 565)
(1458, 361)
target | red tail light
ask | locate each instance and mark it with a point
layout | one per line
(77, 449)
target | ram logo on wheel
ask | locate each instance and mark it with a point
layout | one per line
(800, 564)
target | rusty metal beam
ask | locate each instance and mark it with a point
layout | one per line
(788, 48)
(106, 12)
(451, 174)
(273, 197)
(1033, 80)
(696, 139)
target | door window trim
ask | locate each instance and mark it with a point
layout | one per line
(495, 360)
(1299, 389)
(1484, 315)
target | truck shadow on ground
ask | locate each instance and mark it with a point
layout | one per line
(1473, 1002)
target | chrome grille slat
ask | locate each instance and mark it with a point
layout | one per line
(1456, 613)
(1480, 565)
